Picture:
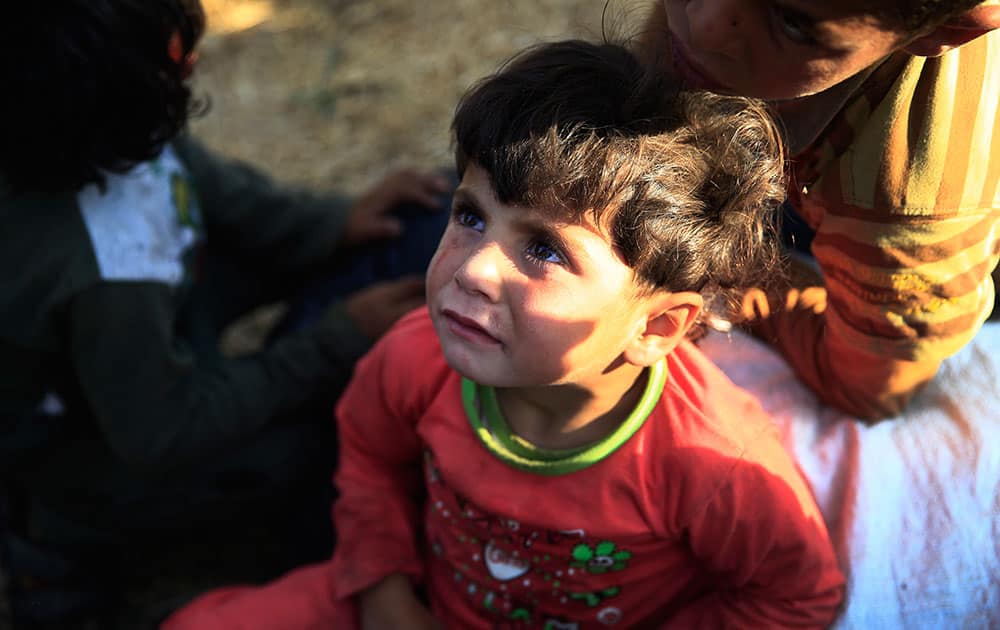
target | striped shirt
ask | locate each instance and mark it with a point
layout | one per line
(903, 191)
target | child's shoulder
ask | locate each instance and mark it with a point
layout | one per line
(715, 412)
(953, 91)
(405, 369)
(720, 434)
(410, 347)
(42, 233)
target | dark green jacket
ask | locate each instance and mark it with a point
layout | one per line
(92, 284)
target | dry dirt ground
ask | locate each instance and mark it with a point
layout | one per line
(334, 93)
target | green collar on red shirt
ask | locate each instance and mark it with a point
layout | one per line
(487, 421)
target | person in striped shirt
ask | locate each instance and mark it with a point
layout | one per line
(890, 111)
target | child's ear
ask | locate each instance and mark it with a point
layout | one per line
(670, 316)
(956, 31)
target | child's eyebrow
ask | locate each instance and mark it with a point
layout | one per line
(464, 195)
(530, 221)
(525, 220)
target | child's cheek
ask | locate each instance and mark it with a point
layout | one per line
(447, 258)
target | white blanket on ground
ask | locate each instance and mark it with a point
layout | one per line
(912, 503)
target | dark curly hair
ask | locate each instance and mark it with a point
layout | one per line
(90, 86)
(687, 184)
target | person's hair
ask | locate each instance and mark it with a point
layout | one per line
(687, 184)
(90, 87)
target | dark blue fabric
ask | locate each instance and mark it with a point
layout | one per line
(796, 235)
(363, 266)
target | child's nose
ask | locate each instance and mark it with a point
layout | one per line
(717, 25)
(481, 271)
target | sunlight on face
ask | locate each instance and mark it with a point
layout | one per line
(518, 300)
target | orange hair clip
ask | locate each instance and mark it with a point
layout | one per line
(175, 50)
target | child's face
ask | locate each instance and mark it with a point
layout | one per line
(775, 49)
(519, 300)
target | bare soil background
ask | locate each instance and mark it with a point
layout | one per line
(334, 93)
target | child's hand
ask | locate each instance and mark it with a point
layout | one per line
(371, 217)
(392, 605)
(377, 307)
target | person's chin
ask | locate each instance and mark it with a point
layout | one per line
(474, 363)
(691, 72)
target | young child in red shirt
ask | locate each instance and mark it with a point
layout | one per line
(542, 446)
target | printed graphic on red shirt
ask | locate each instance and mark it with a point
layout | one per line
(521, 576)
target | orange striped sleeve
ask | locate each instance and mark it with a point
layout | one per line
(908, 218)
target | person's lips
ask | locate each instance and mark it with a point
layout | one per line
(468, 329)
(692, 73)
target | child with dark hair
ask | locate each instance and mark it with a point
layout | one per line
(892, 120)
(126, 248)
(541, 446)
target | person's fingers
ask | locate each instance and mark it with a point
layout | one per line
(426, 198)
(407, 285)
(382, 226)
(376, 231)
(425, 189)
(425, 193)
(439, 184)
(408, 305)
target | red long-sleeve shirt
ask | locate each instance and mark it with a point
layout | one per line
(692, 516)
(697, 519)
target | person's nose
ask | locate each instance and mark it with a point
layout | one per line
(717, 25)
(481, 273)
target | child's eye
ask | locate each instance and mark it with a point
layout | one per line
(795, 26)
(467, 217)
(543, 251)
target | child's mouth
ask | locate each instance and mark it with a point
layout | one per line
(468, 329)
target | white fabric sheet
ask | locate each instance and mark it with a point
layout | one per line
(912, 503)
